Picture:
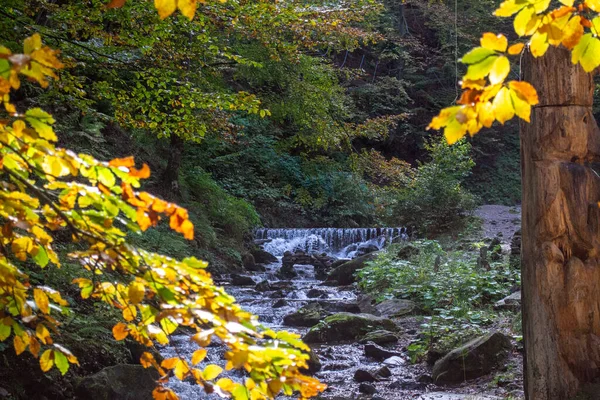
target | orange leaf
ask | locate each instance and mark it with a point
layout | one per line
(116, 4)
(120, 331)
(140, 173)
(516, 49)
(19, 344)
(122, 162)
(170, 363)
(525, 90)
(34, 346)
(162, 393)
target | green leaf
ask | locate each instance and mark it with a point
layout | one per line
(106, 177)
(61, 362)
(4, 331)
(481, 69)
(477, 55)
(41, 258)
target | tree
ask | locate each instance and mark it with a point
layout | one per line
(561, 242)
(48, 192)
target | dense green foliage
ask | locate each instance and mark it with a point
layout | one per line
(449, 286)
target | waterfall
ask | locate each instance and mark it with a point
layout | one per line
(338, 242)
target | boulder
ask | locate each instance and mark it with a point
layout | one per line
(314, 293)
(362, 375)
(366, 249)
(379, 353)
(345, 326)
(339, 262)
(512, 302)
(280, 303)
(263, 286)
(395, 307)
(248, 262)
(339, 306)
(242, 280)
(119, 382)
(263, 257)
(408, 251)
(314, 364)
(367, 388)
(287, 271)
(309, 315)
(379, 337)
(383, 372)
(344, 274)
(366, 304)
(472, 360)
(394, 361)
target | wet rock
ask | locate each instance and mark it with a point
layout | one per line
(378, 352)
(407, 385)
(309, 315)
(344, 274)
(286, 271)
(345, 326)
(512, 302)
(383, 372)
(366, 388)
(434, 354)
(362, 375)
(366, 249)
(425, 379)
(394, 361)
(395, 307)
(314, 293)
(366, 304)
(248, 262)
(472, 360)
(263, 257)
(242, 280)
(260, 242)
(408, 251)
(263, 286)
(379, 337)
(339, 262)
(280, 303)
(122, 382)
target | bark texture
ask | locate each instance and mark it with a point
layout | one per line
(170, 176)
(561, 231)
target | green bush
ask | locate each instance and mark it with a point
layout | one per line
(435, 200)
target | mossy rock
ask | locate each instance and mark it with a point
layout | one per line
(379, 337)
(309, 315)
(346, 327)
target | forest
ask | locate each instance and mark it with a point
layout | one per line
(256, 199)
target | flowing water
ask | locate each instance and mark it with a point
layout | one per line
(339, 361)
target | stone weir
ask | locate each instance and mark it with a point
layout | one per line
(336, 242)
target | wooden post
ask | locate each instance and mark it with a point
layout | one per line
(561, 238)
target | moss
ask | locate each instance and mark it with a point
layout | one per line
(346, 326)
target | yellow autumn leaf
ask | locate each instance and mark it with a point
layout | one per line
(539, 44)
(503, 108)
(526, 22)
(521, 106)
(485, 114)
(41, 300)
(500, 70)
(596, 26)
(568, 3)
(198, 356)
(47, 360)
(32, 43)
(525, 90)
(211, 372)
(593, 4)
(454, 131)
(181, 369)
(494, 42)
(129, 313)
(19, 344)
(165, 7)
(187, 8)
(21, 246)
(509, 8)
(43, 334)
(136, 292)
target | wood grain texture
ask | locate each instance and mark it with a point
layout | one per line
(561, 231)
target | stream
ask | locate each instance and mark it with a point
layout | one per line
(339, 361)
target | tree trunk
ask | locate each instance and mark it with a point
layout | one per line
(561, 238)
(170, 182)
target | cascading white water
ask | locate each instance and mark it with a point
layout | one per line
(338, 242)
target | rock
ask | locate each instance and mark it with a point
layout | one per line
(314, 293)
(425, 379)
(280, 303)
(367, 388)
(248, 262)
(512, 302)
(407, 385)
(515, 250)
(395, 308)
(344, 274)
(495, 249)
(339, 262)
(472, 360)
(242, 280)
(366, 304)
(434, 354)
(309, 315)
(119, 382)
(137, 349)
(362, 375)
(314, 364)
(366, 249)
(393, 361)
(263, 286)
(408, 251)
(383, 372)
(379, 337)
(260, 242)
(378, 352)
(287, 271)
(263, 257)
(345, 326)
(339, 306)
